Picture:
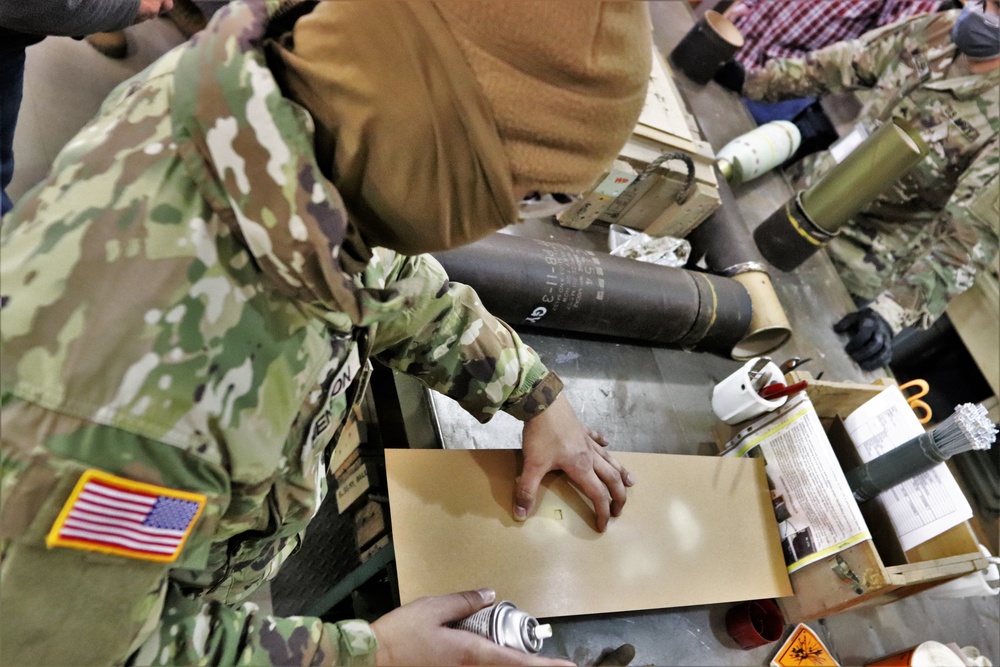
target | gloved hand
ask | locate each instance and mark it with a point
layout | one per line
(870, 341)
(731, 76)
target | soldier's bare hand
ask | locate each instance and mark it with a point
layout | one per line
(150, 9)
(557, 440)
(417, 634)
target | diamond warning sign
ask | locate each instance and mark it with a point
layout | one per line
(803, 649)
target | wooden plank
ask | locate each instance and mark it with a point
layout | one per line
(829, 398)
(347, 463)
(678, 220)
(610, 184)
(975, 314)
(369, 523)
(374, 549)
(346, 448)
(352, 486)
(820, 591)
(666, 141)
(836, 398)
(953, 542)
(664, 106)
(640, 151)
(942, 568)
(655, 195)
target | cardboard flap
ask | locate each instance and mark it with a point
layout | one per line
(695, 530)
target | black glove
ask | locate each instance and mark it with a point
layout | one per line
(870, 341)
(731, 76)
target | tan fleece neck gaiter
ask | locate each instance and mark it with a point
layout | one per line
(402, 128)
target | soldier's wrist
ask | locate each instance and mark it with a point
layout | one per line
(543, 393)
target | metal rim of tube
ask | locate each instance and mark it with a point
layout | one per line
(743, 267)
(810, 228)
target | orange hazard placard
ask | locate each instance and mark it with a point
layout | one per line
(803, 649)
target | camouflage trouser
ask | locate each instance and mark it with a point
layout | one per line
(864, 273)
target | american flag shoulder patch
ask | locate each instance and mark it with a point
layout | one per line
(114, 515)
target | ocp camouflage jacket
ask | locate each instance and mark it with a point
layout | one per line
(922, 241)
(176, 326)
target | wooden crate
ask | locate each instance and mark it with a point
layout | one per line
(876, 571)
(650, 205)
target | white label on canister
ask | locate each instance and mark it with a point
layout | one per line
(844, 147)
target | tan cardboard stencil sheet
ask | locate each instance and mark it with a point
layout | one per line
(695, 530)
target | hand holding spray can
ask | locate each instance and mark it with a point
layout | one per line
(506, 625)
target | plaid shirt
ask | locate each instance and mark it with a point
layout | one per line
(792, 28)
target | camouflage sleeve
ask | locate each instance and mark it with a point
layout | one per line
(449, 341)
(960, 241)
(841, 67)
(193, 632)
(65, 605)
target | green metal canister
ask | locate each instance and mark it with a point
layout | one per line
(878, 162)
(815, 215)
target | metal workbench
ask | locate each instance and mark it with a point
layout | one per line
(654, 399)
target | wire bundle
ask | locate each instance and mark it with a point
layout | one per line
(966, 429)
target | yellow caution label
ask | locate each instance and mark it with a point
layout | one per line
(803, 649)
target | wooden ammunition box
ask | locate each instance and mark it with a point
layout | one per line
(354, 485)
(649, 203)
(876, 571)
(369, 523)
(375, 548)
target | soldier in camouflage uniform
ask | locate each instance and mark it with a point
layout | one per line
(920, 243)
(189, 299)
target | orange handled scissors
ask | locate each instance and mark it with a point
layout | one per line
(914, 401)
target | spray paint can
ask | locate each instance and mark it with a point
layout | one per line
(506, 625)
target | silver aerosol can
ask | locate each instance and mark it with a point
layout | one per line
(506, 625)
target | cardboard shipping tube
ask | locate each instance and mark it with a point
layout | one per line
(712, 41)
(723, 244)
(769, 326)
(878, 162)
(534, 283)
